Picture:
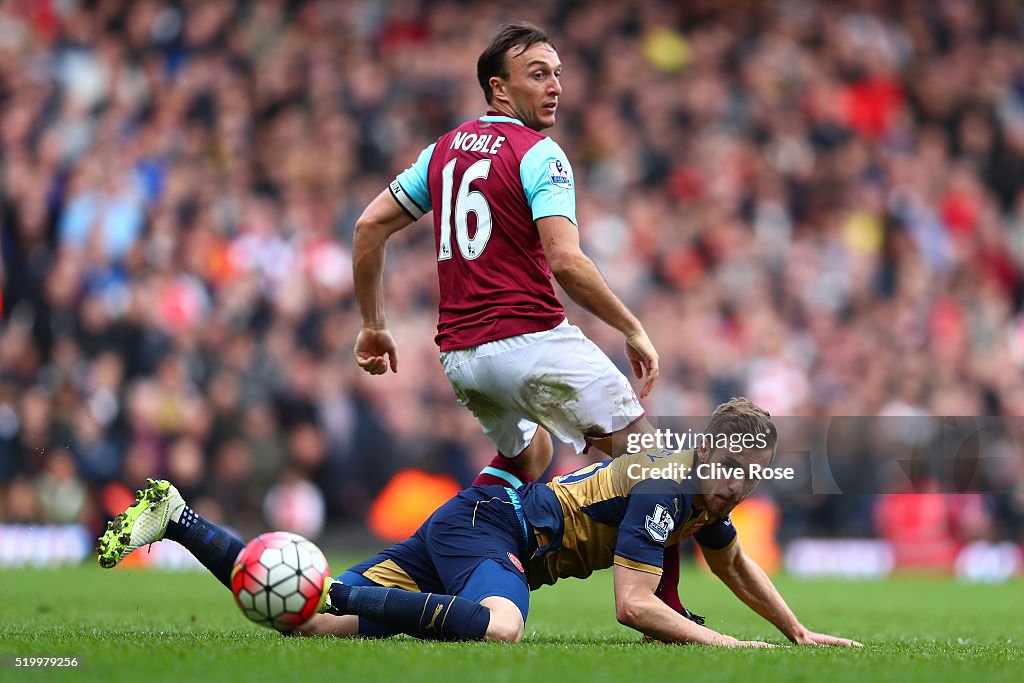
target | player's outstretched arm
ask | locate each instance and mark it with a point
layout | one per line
(375, 348)
(751, 584)
(638, 607)
(585, 285)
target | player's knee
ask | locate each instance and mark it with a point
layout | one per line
(506, 624)
(505, 629)
(536, 457)
(542, 444)
(625, 439)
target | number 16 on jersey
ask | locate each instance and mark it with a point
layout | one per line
(466, 201)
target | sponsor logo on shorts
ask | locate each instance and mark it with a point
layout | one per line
(516, 562)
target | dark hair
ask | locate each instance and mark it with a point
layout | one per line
(492, 59)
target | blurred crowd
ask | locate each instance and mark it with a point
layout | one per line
(815, 204)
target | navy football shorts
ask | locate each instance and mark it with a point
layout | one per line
(469, 547)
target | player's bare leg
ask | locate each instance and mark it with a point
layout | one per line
(329, 625)
(506, 625)
(526, 467)
(536, 458)
(615, 444)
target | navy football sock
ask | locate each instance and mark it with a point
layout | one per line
(424, 615)
(215, 547)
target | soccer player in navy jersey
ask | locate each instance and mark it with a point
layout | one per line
(466, 574)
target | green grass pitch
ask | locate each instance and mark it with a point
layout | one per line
(137, 626)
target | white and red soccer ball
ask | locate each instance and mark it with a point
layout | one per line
(278, 579)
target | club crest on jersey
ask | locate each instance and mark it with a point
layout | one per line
(659, 524)
(559, 174)
(516, 562)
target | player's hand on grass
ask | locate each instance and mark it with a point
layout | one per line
(812, 638)
(371, 348)
(644, 359)
(725, 641)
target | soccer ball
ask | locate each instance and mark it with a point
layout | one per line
(278, 579)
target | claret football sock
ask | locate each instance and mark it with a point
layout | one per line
(668, 587)
(503, 471)
(212, 545)
(424, 615)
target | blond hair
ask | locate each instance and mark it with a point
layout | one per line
(740, 415)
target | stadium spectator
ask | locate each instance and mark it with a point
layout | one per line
(816, 204)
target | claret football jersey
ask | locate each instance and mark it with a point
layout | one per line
(486, 182)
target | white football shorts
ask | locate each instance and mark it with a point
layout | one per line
(556, 378)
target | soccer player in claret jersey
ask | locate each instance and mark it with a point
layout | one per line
(504, 212)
